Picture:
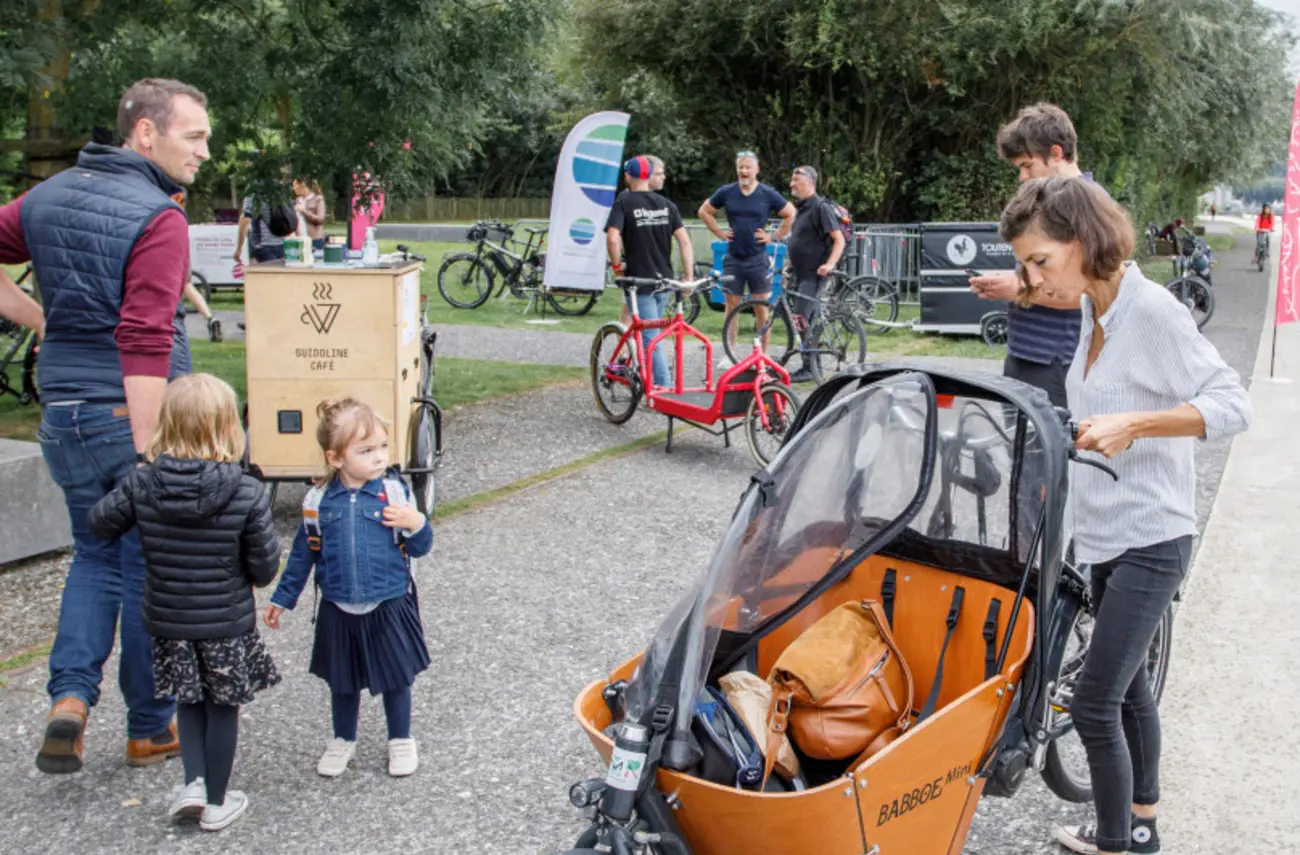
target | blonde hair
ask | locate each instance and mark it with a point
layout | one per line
(199, 419)
(342, 422)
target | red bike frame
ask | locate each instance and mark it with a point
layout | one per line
(685, 403)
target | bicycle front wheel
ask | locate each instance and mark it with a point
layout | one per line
(768, 420)
(1197, 295)
(835, 341)
(741, 327)
(873, 300)
(615, 377)
(464, 280)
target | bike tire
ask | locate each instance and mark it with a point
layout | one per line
(1196, 295)
(464, 280)
(425, 442)
(693, 307)
(1058, 772)
(571, 305)
(741, 322)
(780, 406)
(618, 393)
(873, 300)
(835, 341)
(30, 393)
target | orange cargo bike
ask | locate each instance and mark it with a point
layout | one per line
(928, 501)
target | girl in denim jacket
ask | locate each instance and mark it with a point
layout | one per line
(368, 631)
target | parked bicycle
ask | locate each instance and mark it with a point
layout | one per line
(1192, 285)
(830, 341)
(466, 279)
(19, 346)
(872, 299)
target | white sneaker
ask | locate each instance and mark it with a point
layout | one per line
(334, 761)
(403, 759)
(217, 817)
(188, 801)
(724, 364)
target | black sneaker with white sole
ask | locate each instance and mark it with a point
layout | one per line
(1144, 839)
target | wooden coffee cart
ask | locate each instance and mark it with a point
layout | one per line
(328, 331)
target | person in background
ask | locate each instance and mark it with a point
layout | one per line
(1170, 232)
(110, 247)
(310, 205)
(748, 204)
(1041, 333)
(255, 225)
(1143, 386)
(815, 247)
(1264, 222)
(639, 236)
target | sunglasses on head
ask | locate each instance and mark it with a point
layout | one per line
(741, 154)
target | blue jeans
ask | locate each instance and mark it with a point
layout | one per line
(651, 307)
(88, 449)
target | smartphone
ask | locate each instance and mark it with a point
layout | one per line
(971, 271)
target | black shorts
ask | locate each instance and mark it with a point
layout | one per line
(753, 272)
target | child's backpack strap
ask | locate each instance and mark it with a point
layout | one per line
(311, 516)
(396, 493)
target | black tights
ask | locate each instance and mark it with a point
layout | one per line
(208, 734)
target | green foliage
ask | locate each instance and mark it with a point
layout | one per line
(899, 103)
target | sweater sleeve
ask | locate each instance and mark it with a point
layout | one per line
(156, 273)
(13, 244)
(261, 546)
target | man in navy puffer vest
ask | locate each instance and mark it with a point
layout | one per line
(110, 247)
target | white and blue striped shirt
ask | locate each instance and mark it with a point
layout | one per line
(1153, 358)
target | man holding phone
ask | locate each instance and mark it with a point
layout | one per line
(1043, 333)
(748, 204)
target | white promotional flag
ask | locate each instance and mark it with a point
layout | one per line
(586, 181)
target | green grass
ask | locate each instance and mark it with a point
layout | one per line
(458, 381)
(509, 312)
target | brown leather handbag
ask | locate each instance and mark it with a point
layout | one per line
(841, 689)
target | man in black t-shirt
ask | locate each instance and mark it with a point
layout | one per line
(813, 248)
(641, 228)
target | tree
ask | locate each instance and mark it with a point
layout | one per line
(899, 103)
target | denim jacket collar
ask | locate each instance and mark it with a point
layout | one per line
(337, 487)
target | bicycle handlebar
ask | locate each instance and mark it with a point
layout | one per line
(661, 283)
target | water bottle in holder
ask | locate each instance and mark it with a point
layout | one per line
(626, 766)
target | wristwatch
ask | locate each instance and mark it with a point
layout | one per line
(140, 459)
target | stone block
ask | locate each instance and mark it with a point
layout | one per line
(33, 516)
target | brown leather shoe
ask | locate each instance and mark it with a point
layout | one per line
(60, 751)
(155, 749)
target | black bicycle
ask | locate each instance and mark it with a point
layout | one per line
(830, 340)
(1261, 250)
(1192, 284)
(19, 346)
(466, 279)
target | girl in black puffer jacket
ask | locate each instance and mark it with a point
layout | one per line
(208, 538)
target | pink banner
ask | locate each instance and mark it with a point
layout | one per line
(1288, 273)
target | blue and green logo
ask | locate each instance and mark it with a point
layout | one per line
(596, 163)
(582, 231)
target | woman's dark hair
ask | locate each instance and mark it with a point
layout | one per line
(1070, 209)
(1266, 207)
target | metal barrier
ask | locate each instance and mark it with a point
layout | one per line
(891, 252)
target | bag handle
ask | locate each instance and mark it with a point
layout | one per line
(877, 615)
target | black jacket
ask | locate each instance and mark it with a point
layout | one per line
(208, 537)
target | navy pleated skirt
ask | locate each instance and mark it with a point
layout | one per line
(378, 651)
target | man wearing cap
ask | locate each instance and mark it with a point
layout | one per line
(748, 204)
(638, 235)
(815, 247)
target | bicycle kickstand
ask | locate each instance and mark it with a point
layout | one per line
(669, 448)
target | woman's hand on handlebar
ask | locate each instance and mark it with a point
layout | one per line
(1107, 434)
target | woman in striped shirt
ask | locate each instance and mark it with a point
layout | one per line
(1143, 386)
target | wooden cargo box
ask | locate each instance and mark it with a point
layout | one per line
(323, 332)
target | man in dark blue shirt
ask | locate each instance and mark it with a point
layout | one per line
(748, 204)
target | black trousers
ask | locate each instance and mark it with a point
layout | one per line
(1114, 709)
(1049, 378)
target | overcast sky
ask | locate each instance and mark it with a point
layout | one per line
(1292, 8)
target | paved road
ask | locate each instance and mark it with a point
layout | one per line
(524, 601)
